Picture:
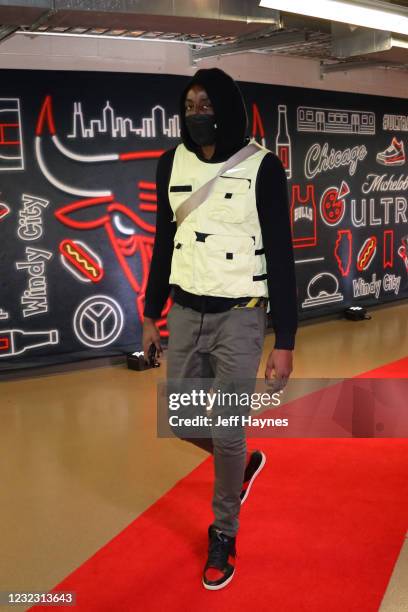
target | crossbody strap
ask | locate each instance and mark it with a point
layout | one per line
(199, 196)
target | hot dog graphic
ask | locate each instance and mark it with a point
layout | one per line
(81, 261)
(366, 253)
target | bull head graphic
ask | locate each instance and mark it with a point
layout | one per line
(106, 211)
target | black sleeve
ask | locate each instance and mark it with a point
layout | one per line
(274, 217)
(158, 288)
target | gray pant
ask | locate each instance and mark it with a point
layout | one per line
(229, 347)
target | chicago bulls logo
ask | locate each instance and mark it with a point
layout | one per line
(105, 211)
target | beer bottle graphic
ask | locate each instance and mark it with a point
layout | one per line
(283, 144)
(16, 341)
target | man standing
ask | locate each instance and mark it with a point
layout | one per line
(223, 257)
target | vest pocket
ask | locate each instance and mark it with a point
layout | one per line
(229, 200)
(181, 263)
(224, 265)
(176, 198)
(260, 264)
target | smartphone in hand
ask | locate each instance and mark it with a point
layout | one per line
(151, 356)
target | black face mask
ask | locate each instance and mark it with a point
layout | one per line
(202, 129)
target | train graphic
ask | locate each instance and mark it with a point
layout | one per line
(335, 121)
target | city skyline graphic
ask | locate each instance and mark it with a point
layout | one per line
(116, 126)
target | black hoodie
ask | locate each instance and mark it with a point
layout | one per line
(229, 109)
(272, 206)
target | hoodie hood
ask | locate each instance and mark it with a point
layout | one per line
(229, 109)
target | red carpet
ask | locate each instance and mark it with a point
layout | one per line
(395, 369)
(321, 532)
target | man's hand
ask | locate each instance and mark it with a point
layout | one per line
(151, 335)
(279, 367)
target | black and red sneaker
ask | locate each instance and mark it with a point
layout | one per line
(255, 464)
(220, 567)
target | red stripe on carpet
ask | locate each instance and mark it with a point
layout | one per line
(321, 531)
(395, 369)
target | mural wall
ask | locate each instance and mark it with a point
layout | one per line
(78, 153)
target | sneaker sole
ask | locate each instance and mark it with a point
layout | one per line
(216, 587)
(399, 162)
(262, 464)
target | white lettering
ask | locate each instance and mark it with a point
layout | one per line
(35, 297)
(318, 159)
(30, 224)
(382, 182)
(395, 123)
(303, 212)
(391, 282)
(362, 216)
(361, 288)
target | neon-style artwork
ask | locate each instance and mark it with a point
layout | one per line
(107, 210)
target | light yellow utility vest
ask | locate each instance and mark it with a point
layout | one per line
(216, 246)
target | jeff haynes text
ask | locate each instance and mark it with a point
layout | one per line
(231, 421)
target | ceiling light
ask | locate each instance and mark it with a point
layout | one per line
(78, 30)
(366, 13)
(116, 33)
(98, 30)
(398, 42)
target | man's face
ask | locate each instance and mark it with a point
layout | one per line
(197, 102)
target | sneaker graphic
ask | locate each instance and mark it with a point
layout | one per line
(394, 155)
